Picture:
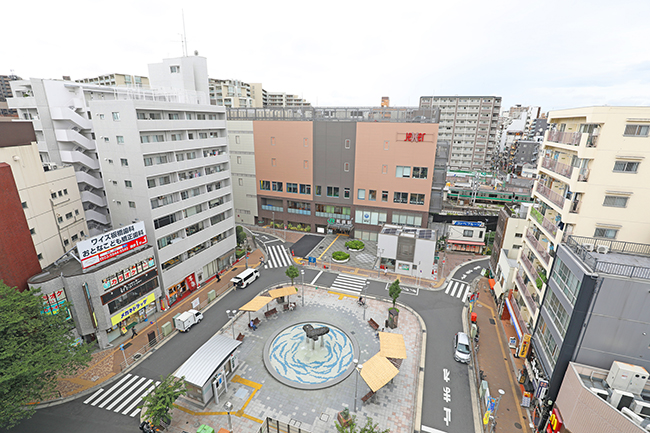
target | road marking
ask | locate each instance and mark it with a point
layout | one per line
(477, 267)
(454, 289)
(135, 403)
(465, 295)
(460, 293)
(317, 276)
(137, 393)
(430, 429)
(126, 392)
(116, 394)
(114, 387)
(93, 396)
(349, 282)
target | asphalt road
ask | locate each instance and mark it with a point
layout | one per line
(440, 311)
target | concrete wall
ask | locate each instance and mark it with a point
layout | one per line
(241, 142)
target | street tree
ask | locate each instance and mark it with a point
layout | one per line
(292, 272)
(156, 406)
(353, 427)
(35, 350)
(394, 291)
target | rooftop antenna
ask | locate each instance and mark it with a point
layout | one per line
(184, 35)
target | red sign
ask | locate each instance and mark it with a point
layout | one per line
(190, 282)
(554, 422)
(415, 136)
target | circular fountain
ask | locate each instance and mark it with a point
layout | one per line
(310, 355)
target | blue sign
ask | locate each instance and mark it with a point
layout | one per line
(490, 406)
(467, 223)
(312, 259)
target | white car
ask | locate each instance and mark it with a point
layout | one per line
(462, 350)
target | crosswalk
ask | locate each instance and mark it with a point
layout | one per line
(457, 289)
(349, 282)
(124, 396)
(277, 257)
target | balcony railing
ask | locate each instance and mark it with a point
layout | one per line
(601, 261)
(557, 167)
(530, 267)
(538, 247)
(583, 176)
(524, 291)
(571, 138)
(551, 195)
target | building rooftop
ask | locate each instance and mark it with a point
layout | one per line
(412, 232)
(334, 114)
(612, 257)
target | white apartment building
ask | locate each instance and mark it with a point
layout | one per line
(241, 142)
(230, 93)
(280, 99)
(469, 123)
(117, 80)
(259, 96)
(593, 182)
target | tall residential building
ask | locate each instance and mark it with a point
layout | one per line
(259, 96)
(5, 92)
(117, 80)
(230, 93)
(469, 123)
(341, 169)
(281, 99)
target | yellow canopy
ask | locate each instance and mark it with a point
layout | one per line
(256, 303)
(377, 372)
(285, 291)
(392, 345)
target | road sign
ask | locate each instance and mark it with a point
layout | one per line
(312, 259)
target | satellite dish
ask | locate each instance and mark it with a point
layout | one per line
(196, 52)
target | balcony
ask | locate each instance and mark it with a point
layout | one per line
(524, 291)
(544, 222)
(529, 266)
(583, 176)
(557, 167)
(538, 247)
(554, 197)
(570, 138)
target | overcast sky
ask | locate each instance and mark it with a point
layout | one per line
(555, 54)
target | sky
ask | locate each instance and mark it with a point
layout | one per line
(554, 54)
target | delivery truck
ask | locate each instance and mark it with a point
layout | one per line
(185, 320)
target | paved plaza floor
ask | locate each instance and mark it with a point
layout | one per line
(256, 395)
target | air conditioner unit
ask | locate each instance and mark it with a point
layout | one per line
(588, 247)
(620, 399)
(637, 419)
(641, 407)
(602, 249)
(602, 393)
(627, 377)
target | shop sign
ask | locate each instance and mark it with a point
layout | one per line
(467, 223)
(525, 344)
(540, 392)
(53, 302)
(190, 282)
(116, 293)
(404, 266)
(133, 309)
(108, 245)
(126, 274)
(554, 422)
(415, 136)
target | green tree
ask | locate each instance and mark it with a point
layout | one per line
(35, 350)
(292, 272)
(394, 291)
(157, 404)
(241, 235)
(352, 427)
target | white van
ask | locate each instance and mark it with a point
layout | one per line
(242, 280)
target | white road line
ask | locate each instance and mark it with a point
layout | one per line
(460, 292)
(430, 429)
(272, 261)
(349, 282)
(454, 289)
(126, 393)
(317, 276)
(135, 412)
(137, 401)
(451, 282)
(117, 392)
(286, 259)
(93, 396)
(109, 391)
(464, 298)
(137, 394)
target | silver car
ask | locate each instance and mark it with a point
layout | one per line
(462, 349)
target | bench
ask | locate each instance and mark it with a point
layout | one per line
(289, 306)
(368, 396)
(270, 313)
(240, 337)
(373, 324)
(256, 322)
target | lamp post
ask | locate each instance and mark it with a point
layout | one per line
(302, 275)
(364, 300)
(381, 251)
(228, 406)
(496, 408)
(356, 381)
(231, 315)
(273, 225)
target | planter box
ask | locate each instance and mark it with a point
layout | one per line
(343, 421)
(352, 249)
(341, 261)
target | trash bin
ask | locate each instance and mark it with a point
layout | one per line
(473, 317)
(205, 429)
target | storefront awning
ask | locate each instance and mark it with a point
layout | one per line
(392, 345)
(339, 226)
(492, 283)
(452, 241)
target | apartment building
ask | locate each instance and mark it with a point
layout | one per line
(341, 169)
(50, 199)
(281, 99)
(508, 240)
(231, 93)
(117, 80)
(5, 92)
(259, 96)
(469, 124)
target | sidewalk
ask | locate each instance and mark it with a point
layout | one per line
(108, 363)
(498, 363)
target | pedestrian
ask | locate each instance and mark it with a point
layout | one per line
(252, 325)
(134, 333)
(218, 278)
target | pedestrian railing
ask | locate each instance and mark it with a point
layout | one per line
(129, 360)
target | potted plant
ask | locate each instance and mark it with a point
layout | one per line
(355, 245)
(393, 313)
(344, 418)
(340, 257)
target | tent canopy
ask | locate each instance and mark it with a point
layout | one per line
(285, 291)
(377, 372)
(392, 345)
(256, 303)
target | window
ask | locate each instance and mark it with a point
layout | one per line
(346, 192)
(116, 116)
(305, 189)
(361, 194)
(190, 136)
(547, 341)
(305, 164)
(66, 242)
(40, 256)
(468, 233)
(32, 231)
(24, 205)
(332, 191)
(120, 139)
(292, 187)
(101, 116)
(346, 166)
(164, 221)
(636, 130)
(417, 199)
(384, 169)
(519, 235)
(401, 171)
(119, 203)
(237, 139)
(347, 143)
(190, 155)
(265, 185)
(420, 172)
(384, 196)
(175, 69)
(239, 160)
(566, 281)
(386, 144)
(400, 197)
(626, 166)
(372, 195)
(164, 180)
(276, 186)
(407, 219)
(615, 201)
(114, 182)
(106, 139)
(273, 162)
(124, 162)
(203, 135)
(605, 233)
(176, 137)
(172, 116)
(128, 184)
(318, 190)
(151, 183)
(132, 204)
(75, 237)
(557, 312)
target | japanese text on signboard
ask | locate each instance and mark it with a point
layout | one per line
(111, 244)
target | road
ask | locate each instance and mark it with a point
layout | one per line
(446, 383)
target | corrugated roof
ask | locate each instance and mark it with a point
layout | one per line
(256, 303)
(200, 366)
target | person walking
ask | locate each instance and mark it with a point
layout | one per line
(134, 333)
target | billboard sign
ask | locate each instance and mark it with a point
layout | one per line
(111, 244)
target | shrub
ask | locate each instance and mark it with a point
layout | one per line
(340, 255)
(355, 245)
(240, 252)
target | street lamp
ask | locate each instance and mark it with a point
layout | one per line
(228, 406)
(381, 251)
(273, 225)
(302, 275)
(356, 381)
(496, 408)
(364, 300)
(231, 315)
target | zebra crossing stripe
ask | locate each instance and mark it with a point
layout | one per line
(465, 295)
(286, 260)
(93, 396)
(453, 290)
(460, 292)
(349, 282)
(109, 391)
(451, 283)
(126, 393)
(134, 404)
(137, 394)
(272, 257)
(117, 392)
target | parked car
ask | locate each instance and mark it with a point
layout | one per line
(185, 320)
(245, 278)
(462, 350)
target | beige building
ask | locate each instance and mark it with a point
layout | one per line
(50, 199)
(230, 93)
(593, 182)
(241, 142)
(117, 80)
(280, 99)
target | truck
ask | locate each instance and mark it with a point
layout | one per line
(185, 320)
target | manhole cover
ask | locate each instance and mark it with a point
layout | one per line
(518, 425)
(324, 417)
(493, 322)
(137, 356)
